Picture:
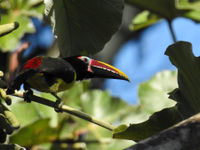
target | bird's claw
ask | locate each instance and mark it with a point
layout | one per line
(58, 105)
(27, 93)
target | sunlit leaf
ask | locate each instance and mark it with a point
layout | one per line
(163, 8)
(169, 9)
(188, 4)
(35, 133)
(99, 104)
(143, 19)
(153, 99)
(25, 113)
(156, 123)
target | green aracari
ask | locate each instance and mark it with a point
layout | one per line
(53, 75)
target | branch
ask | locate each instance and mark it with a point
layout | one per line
(67, 109)
(182, 136)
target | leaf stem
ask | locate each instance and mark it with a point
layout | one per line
(67, 109)
(171, 30)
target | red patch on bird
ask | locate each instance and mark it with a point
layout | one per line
(33, 63)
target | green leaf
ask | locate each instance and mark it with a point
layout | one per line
(194, 15)
(188, 4)
(29, 112)
(143, 19)
(99, 104)
(68, 127)
(47, 112)
(84, 26)
(156, 123)
(36, 133)
(7, 28)
(187, 94)
(153, 100)
(18, 11)
(193, 11)
(169, 9)
(163, 8)
(26, 113)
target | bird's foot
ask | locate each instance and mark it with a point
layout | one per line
(27, 93)
(58, 105)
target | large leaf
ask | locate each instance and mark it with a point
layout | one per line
(18, 11)
(156, 123)
(84, 26)
(36, 133)
(187, 95)
(26, 113)
(153, 98)
(30, 112)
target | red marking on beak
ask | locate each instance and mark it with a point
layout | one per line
(102, 65)
(105, 66)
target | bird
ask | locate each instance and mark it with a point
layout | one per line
(53, 75)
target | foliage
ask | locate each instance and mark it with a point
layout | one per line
(96, 103)
(93, 24)
(153, 99)
(62, 127)
(18, 11)
(79, 30)
(168, 9)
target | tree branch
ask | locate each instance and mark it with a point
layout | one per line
(182, 136)
(67, 109)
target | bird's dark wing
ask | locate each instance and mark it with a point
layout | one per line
(51, 69)
(57, 68)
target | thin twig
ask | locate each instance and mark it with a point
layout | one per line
(65, 108)
(171, 30)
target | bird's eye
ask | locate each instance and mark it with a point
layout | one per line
(85, 59)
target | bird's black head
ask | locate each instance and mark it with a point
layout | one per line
(89, 68)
